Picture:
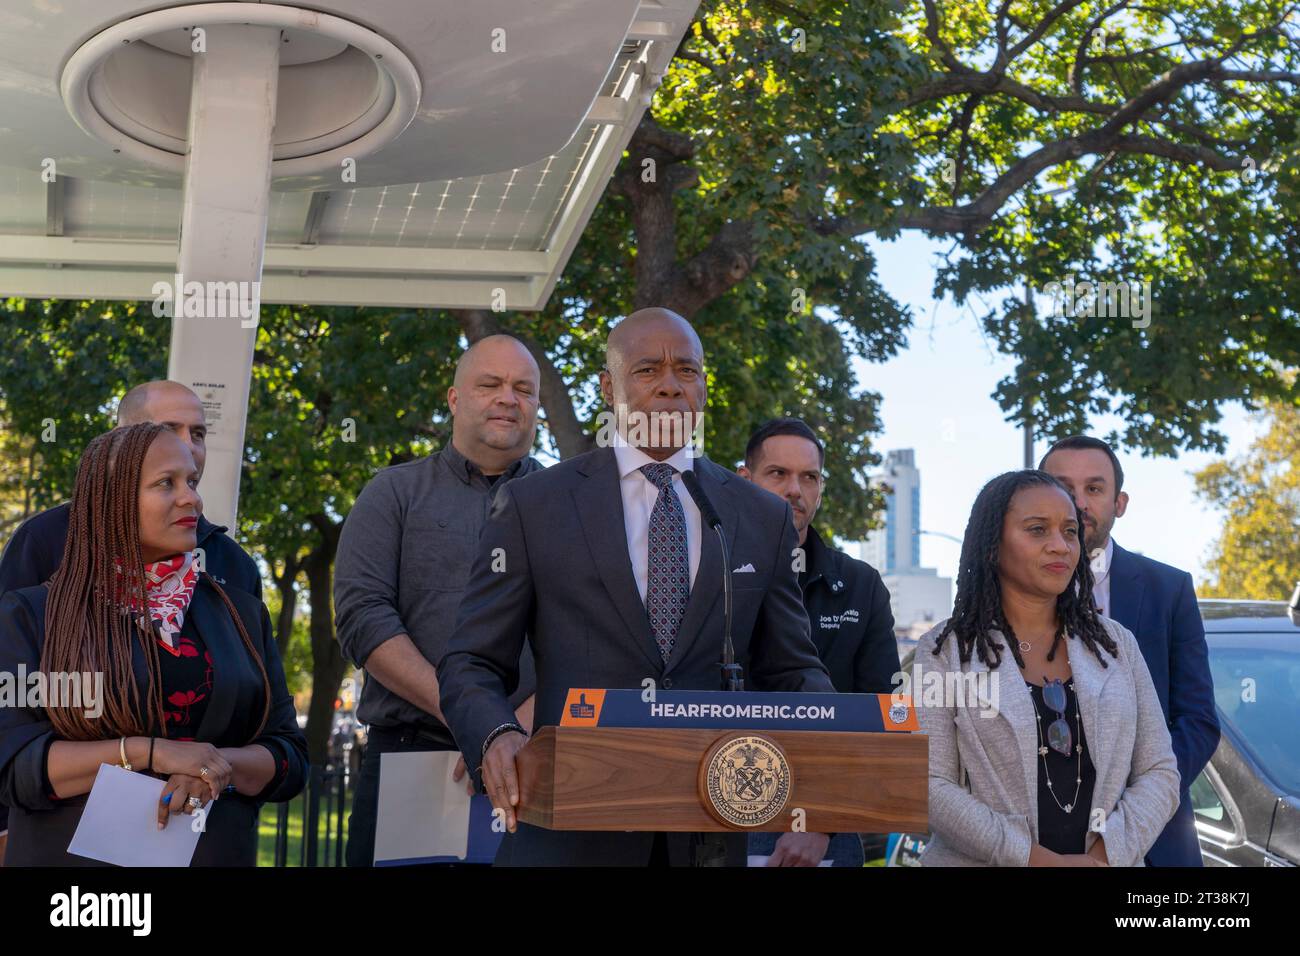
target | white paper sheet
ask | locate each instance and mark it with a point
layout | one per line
(422, 811)
(120, 823)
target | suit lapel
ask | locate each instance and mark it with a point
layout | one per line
(599, 503)
(222, 641)
(707, 587)
(1125, 589)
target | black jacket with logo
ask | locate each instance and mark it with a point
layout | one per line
(848, 612)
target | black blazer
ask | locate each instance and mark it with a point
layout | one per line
(568, 585)
(40, 828)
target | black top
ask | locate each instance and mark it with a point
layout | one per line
(1058, 830)
(186, 678)
(35, 549)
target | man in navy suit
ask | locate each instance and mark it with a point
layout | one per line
(603, 565)
(1158, 604)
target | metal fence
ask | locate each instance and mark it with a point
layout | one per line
(322, 809)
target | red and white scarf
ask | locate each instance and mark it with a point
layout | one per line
(170, 585)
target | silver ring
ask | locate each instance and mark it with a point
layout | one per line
(193, 803)
(203, 772)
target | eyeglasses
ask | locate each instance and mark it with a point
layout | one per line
(1059, 737)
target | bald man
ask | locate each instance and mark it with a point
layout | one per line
(35, 550)
(564, 563)
(405, 553)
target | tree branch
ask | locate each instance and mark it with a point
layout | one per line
(953, 84)
(936, 41)
(1037, 33)
(1181, 152)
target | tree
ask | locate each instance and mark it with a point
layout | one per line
(1138, 142)
(1118, 142)
(1257, 554)
(336, 394)
(19, 458)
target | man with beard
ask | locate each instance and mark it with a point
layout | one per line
(847, 605)
(1158, 604)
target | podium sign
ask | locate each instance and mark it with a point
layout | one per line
(710, 761)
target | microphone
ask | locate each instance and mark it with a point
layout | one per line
(733, 675)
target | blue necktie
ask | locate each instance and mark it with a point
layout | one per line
(668, 572)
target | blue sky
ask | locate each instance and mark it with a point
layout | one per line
(937, 400)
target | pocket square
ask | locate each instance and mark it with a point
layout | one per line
(745, 569)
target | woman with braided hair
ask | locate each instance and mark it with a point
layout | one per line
(191, 688)
(1048, 746)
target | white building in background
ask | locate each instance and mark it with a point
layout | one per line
(919, 598)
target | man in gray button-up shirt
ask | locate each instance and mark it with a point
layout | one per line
(404, 556)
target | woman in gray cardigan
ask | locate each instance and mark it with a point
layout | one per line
(1047, 743)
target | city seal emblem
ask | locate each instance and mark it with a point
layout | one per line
(744, 780)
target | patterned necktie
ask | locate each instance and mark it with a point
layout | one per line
(668, 575)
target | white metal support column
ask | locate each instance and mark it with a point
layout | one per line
(223, 232)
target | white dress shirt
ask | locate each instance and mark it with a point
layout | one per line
(639, 497)
(1101, 577)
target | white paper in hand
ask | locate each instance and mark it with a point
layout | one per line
(120, 823)
(422, 812)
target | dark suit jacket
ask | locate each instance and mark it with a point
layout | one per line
(568, 583)
(40, 827)
(1158, 604)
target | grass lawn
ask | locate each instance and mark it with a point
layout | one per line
(266, 832)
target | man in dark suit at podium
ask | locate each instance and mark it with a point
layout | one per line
(604, 561)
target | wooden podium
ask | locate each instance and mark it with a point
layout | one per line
(648, 778)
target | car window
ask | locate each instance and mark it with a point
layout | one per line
(1206, 803)
(1256, 691)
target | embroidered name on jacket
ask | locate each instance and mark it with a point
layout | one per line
(833, 621)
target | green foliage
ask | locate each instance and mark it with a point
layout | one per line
(337, 394)
(64, 366)
(1198, 196)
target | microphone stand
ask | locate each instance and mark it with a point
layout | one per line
(733, 674)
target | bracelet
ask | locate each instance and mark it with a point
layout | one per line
(121, 749)
(497, 732)
(151, 742)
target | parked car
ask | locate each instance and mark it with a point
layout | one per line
(1247, 800)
